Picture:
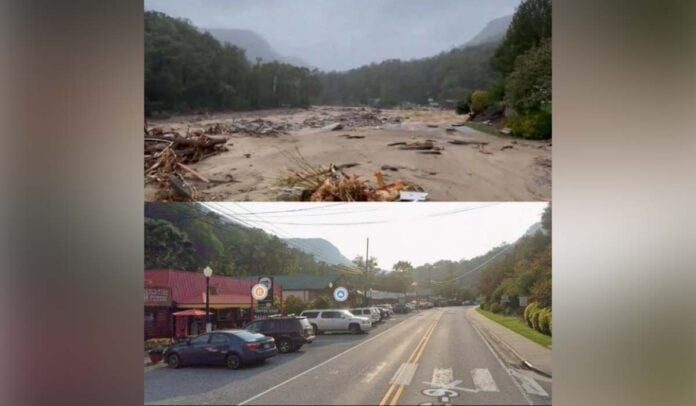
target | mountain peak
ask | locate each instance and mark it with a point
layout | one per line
(494, 31)
(321, 249)
(254, 44)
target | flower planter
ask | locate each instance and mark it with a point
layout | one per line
(155, 356)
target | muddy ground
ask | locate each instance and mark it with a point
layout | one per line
(482, 167)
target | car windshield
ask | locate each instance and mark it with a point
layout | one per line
(347, 313)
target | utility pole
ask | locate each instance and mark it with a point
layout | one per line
(367, 270)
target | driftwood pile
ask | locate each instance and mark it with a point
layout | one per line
(167, 154)
(350, 119)
(321, 184)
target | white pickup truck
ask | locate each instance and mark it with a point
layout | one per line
(336, 320)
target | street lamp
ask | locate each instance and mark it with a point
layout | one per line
(208, 272)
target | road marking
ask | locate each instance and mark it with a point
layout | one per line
(484, 380)
(285, 382)
(404, 374)
(442, 376)
(408, 369)
(530, 385)
(506, 369)
(371, 375)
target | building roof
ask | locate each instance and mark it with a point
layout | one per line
(306, 281)
(189, 287)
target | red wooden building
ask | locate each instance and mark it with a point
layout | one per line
(169, 291)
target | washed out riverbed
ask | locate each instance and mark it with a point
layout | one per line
(430, 149)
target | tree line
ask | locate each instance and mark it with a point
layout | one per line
(394, 82)
(521, 95)
(185, 236)
(187, 70)
(525, 271)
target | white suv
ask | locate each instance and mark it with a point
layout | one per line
(370, 312)
(336, 320)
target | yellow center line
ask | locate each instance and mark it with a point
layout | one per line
(415, 356)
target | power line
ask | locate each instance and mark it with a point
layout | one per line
(478, 267)
(282, 233)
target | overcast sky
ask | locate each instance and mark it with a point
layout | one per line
(343, 34)
(416, 232)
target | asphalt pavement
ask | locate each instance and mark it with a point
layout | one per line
(428, 357)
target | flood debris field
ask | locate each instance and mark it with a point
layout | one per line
(339, 153)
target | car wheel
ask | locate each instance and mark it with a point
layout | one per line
(284, 345)
(233, 361)
(355, 329)
(174, 361)
(316, 329)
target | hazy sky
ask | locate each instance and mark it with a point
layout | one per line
(343, 34)
(416, 232)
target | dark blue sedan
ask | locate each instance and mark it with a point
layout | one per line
(226, 347)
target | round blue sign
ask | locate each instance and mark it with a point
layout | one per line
(340, 294)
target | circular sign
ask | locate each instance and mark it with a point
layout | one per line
(340, 294)
(266, 281)
(259, 291)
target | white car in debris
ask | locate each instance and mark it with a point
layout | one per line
(337, 320)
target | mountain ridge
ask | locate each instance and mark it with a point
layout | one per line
(255, 45)
(321, 249)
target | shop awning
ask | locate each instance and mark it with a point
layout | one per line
(190, 312)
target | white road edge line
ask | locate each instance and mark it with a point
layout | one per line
(319, 365)
(512, 378)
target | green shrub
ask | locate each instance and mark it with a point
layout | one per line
(480, 101)
(534, 126)
(535, 319)
(528, 313)
(463, 105)
(496, 307)
(544, 321)
(294, 305)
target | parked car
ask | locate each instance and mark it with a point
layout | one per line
(336, 320)
(411, 306)
(401, 308)
(386, 310)
(233, 348)
(290, 333)
(370, 312)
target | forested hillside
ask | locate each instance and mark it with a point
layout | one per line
(184, 236)
(186, 70)
(521, 97)
(524, 271)
(394, 82)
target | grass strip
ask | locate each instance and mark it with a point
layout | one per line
(518, 325)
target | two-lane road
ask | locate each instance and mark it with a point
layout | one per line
(430, 357)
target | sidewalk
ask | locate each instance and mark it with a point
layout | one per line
(523, 348)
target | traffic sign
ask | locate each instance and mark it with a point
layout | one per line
(266, 281)
(259, 291)
(340, 294)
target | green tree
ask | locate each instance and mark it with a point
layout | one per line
(528, 87)
(402, 266)
(166, 246)
(294, 305)
(530, 24)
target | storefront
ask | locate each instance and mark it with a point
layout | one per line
(158, 308)
(170, 291)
